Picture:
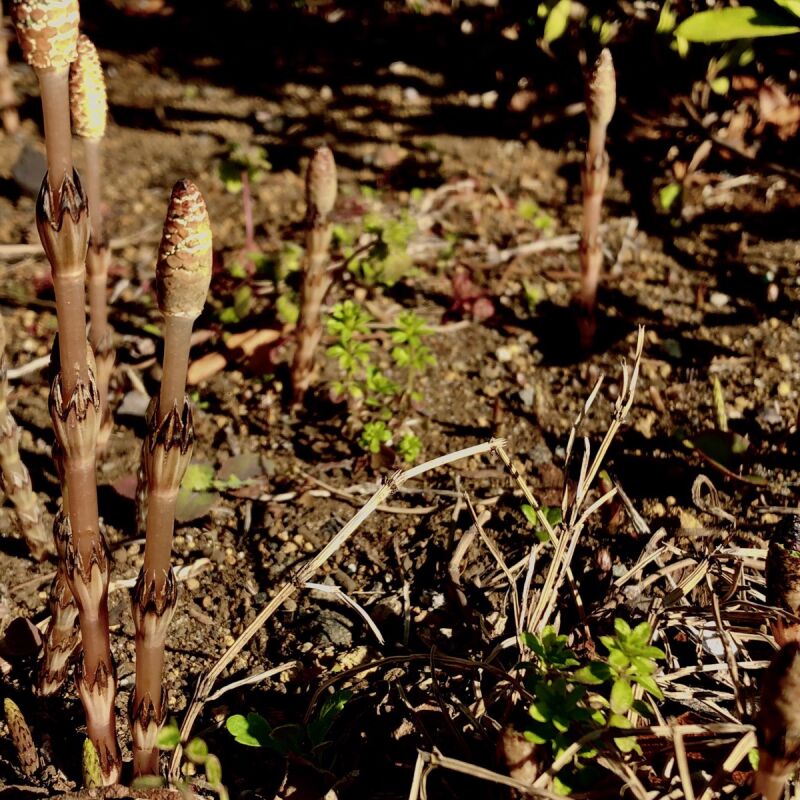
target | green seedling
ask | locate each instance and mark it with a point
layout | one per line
(195, 754)
(573, 700)
(348, 322)
(310, 741)
(409, 352)
(552, 515)
(374, 435)
(409, 447)
(387, 260)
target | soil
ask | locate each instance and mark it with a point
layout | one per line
(427, 116)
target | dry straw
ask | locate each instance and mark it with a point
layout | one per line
(15, 480)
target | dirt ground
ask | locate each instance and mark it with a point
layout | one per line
(441, 136)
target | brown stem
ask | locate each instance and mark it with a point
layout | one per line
(177, 344)
(94, 170)
(86, 562)
(62, 638)
(70, 291)
(316, 283)
(165, 455)
(54, 86)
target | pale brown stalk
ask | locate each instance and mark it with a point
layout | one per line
(600, 104)
(48, 34)
(778, 723)
(8, 99)
(320, 199)
(183, 274)
(89, 113)
(15, 480)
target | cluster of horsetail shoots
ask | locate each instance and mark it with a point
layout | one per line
(15, 480)
(48, 35)
(89, 114)
(778, 720)
(321, 188)
(183, 275)
(9, 118)
(601, 99)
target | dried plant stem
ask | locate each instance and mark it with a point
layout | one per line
(15, 479)
(304, 574)
(8, 99)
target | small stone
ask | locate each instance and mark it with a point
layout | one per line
(784, 389)
(192, 584)
(719, 299)
(784, 362)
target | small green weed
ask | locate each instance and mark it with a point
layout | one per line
(195, 754)
(566, 708)
(311, 741)
(377, 399)
(249, 159)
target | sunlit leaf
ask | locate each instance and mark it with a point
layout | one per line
(743, 22)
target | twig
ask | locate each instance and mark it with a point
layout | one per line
(304, 574)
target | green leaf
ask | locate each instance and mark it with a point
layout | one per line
(743, 22)
(196, 751)
(169, 736)
(621, 628)
(641, 633)
(213, 770)
(621, 696)
(720, 85)
(288, 310)
(198, 478)
(753, 757)
(331, 709)
(557, 20)
(666, 19)
(648, 683)
(792, 6)
(618, 661)
(242, 301)
(593, 674)
(534, 737)
(252, 730)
